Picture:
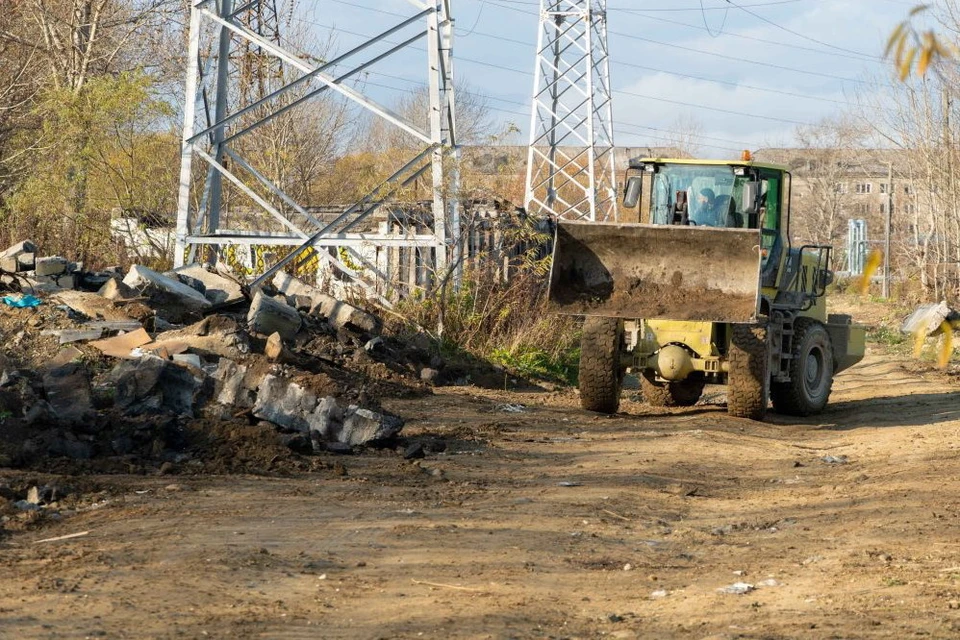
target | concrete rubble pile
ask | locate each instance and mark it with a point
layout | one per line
(195, 344)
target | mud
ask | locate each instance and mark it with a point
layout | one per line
(531, 519)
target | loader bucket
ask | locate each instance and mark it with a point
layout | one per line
(655, 272)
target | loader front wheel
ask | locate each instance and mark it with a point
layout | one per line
(601, 375)
(684, 393)
(811, 372)
(748, 387)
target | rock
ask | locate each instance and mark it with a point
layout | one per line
(737, 588)
(67, 389)
(275, 351)
(217, 289)
(297, 442)
(230, 389)
(115, 289)
(9, 264)
(292, 406)
(173, 299)
(24, 505)
(414, 451)
(268, 315)
(50, 266)
(430, 376)
(33, 495)
(361, 426)
(151, 385)
(339, 448)
(374, 346)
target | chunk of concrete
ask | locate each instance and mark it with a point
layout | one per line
(20, 248)
(67, 389)
(268, 315)
(229, 389)
(342, 315)
(51, 266)
(142, 278)
(216, 288)
(295, 407)
(152, 385)
(114, 289)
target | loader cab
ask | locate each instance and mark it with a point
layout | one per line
(710, 193)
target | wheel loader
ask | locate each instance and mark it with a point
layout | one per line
(702, 284)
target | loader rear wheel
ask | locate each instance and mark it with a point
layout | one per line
(601, 376)
(671, 394)
(811, 372)
(748, 378)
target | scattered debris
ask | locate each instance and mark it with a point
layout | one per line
(269, 315)
(21, 302)
(737, 588)
(835, 459)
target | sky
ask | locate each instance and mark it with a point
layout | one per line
(746, 73)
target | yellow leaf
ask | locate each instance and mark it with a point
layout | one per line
(907, 63)
(873, 262)
(919, 9)
(895, 38)
(924, 61)
(947, 347)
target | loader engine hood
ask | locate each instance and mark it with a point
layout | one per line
(655, 272)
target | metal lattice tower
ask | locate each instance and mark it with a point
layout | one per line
(234, 44)
(570, 166)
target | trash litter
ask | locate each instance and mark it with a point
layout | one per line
(511, 408)
(834, 459)
(21, 302)
(569, 483)
(737, 588)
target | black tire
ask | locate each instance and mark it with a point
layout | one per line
(685, 393)
(748, 381)
(601, 376)
(811, 372)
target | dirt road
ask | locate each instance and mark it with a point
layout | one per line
(540, 521)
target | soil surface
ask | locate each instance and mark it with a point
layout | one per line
(535, 520)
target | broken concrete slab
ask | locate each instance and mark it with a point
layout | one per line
(143, 279)
(93, 306)
(20, 248)
(68, 336)
(151, 385)
(342, 315)
(51, 266)
(220, 291)
(295, 407)
(339, 314)
(268, 315)
(67, 390)
(214, 335)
